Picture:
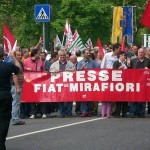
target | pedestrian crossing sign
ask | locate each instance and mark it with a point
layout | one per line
(42, 13)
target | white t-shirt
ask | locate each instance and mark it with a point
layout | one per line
(108, 60)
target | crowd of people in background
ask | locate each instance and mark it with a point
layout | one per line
(58, 59)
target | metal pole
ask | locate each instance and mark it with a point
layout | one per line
(145, 40)
(124, 1)
(44, 37)
(148, 41)
(46, 33)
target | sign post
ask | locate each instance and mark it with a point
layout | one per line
(42, 14)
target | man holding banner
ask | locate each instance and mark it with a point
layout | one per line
(137, 109)
(65, 109)
(86, 63)
(33, 63)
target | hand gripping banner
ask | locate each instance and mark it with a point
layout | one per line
(89, 85)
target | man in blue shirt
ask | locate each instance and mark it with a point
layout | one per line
(86, 63)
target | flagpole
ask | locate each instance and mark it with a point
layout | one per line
(44, 43)
(63, 40)
(124, 1)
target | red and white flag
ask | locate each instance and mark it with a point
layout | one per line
(75, 36)
(99, 45)
(68, 33)
(66, 29)
(89, 44)
(146, 16)
(77, 44)
(9, 40)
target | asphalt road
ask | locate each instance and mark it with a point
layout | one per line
(91, 133)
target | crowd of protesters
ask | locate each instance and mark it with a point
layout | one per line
(59, 59)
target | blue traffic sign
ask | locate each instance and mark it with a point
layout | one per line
(42, 13)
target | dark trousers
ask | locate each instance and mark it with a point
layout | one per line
(87, 107)
(137, 108)
(148, 107)
(38, 108)
(5, 116)
(24, 110)
(121, 107)
(65, 108)
(95, 108)
(52, 107)
(78, 107)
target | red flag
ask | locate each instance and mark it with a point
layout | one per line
(99, 45)
(123, 44)
(9, 39)
(146, 16)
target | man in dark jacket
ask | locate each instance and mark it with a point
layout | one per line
(121, 107)
(6, 71)
(137, 109)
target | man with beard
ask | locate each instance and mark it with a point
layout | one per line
(33, 63)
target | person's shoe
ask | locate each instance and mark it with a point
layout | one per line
(38, 115)
(142, 116)
(124, 116)
(95, 113)
(131, 116)
(52, 116)
(61, 116)
(20, 123)
(89, 115)
(44, 116)
(32, 117)
(78, 112)
(116, 116)
(102, 115)
(84, 115)
(22, 117)
(69, 115)
(48, 115)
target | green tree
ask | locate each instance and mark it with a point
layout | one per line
(19, 16)
(91, 18)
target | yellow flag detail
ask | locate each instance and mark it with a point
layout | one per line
(116, 28)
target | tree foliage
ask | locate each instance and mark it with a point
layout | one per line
(91, 18)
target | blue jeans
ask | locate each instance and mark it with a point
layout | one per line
(68, 108)
(15, 105)
(65, 108)
(86, 107)
(137, 108)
